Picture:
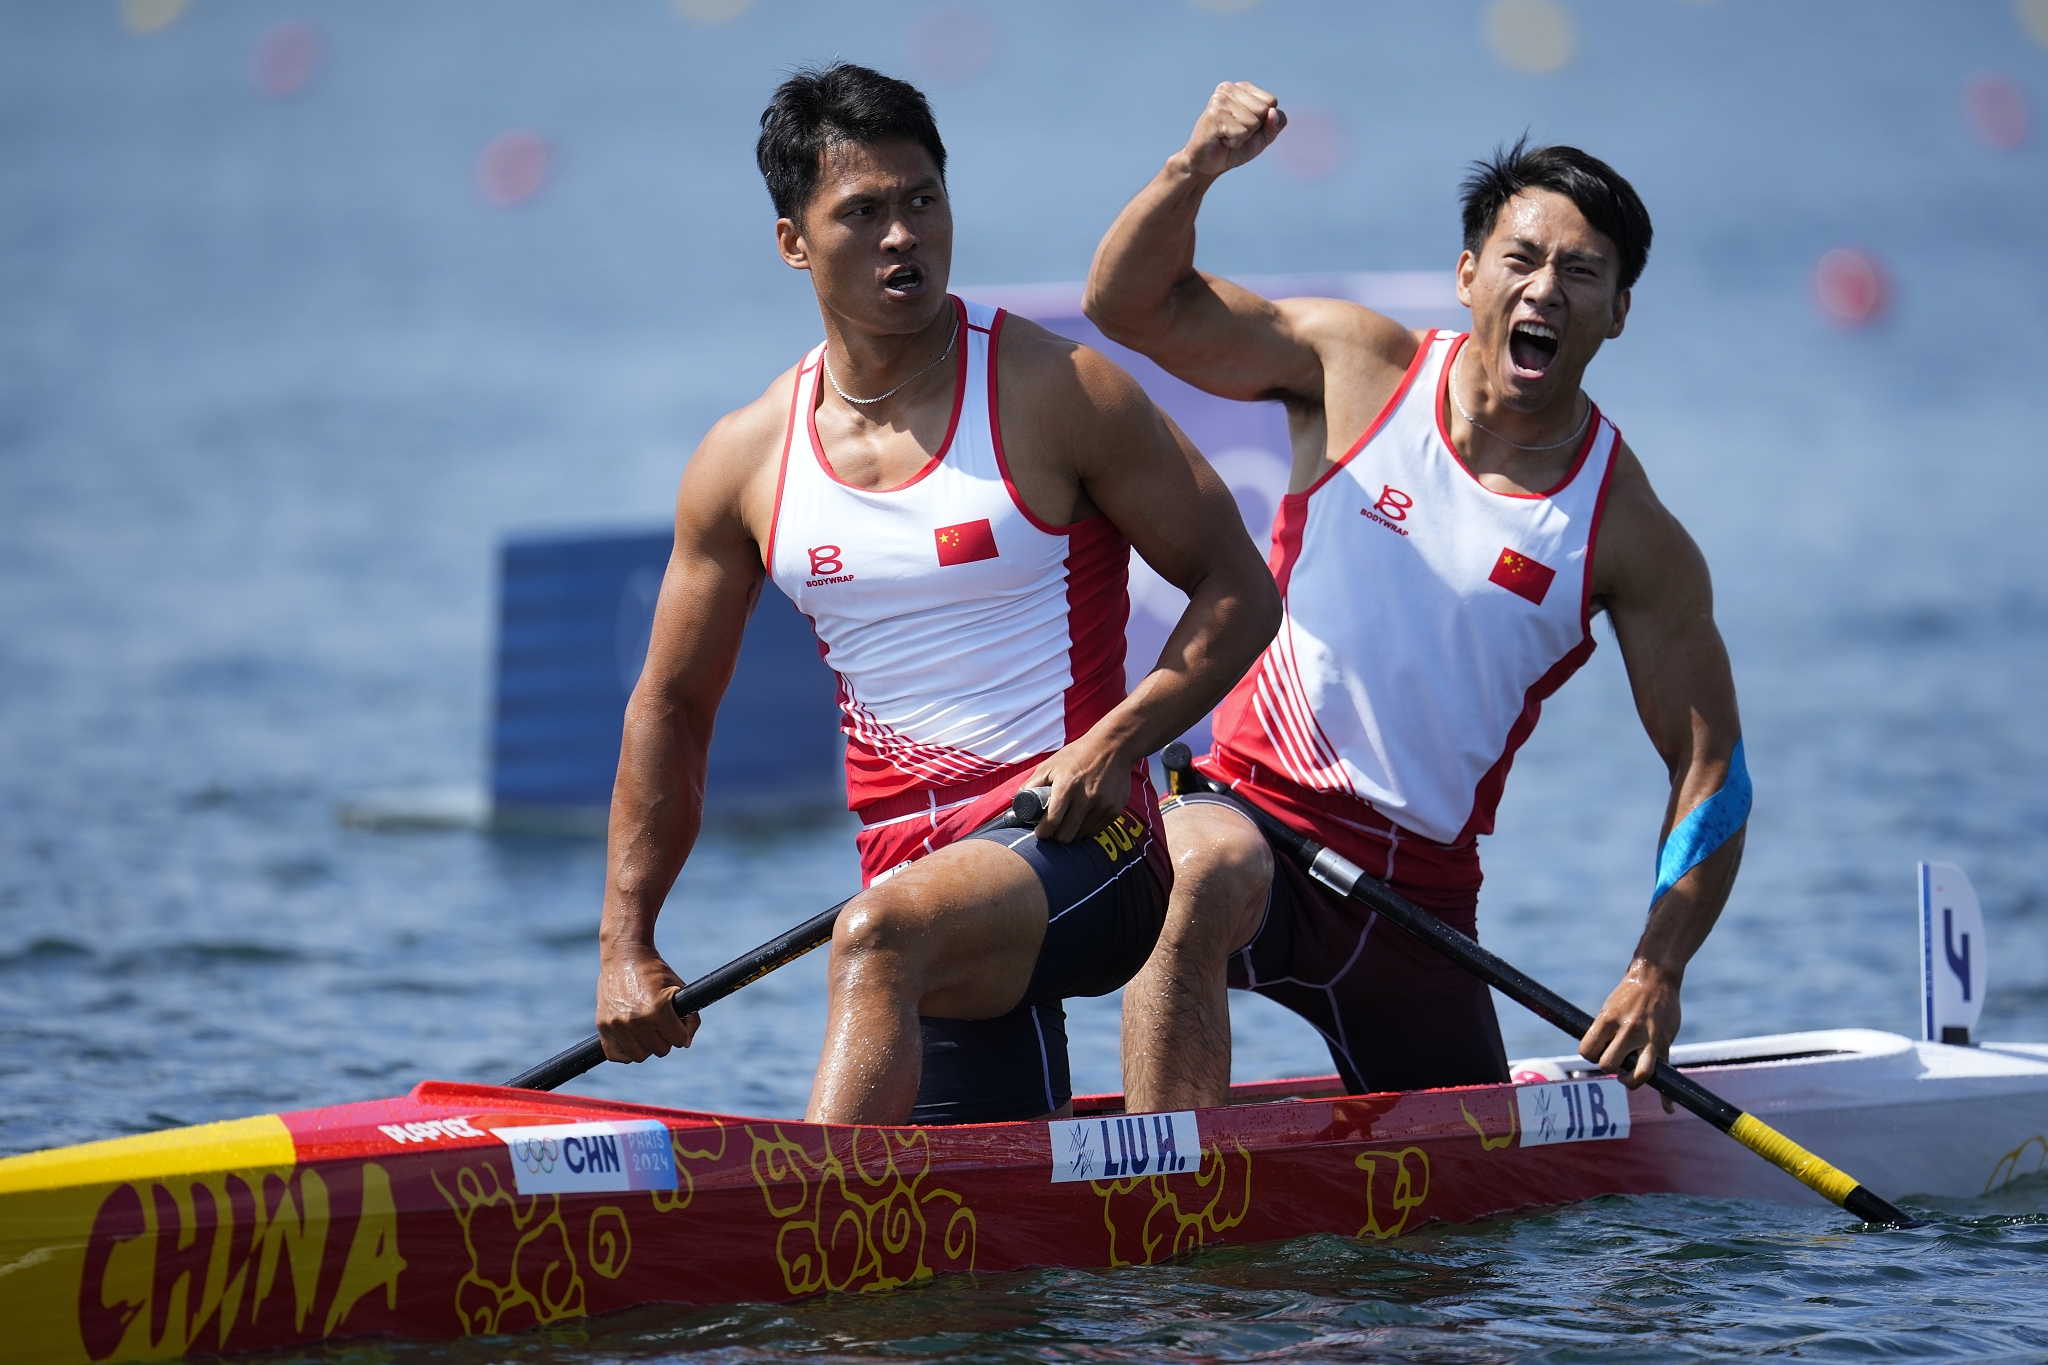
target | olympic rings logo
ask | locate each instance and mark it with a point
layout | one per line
(538, 1155)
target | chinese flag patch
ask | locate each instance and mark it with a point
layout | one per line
(1522, 576)
(966, 543)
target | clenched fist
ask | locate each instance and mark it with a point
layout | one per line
(1240, 121)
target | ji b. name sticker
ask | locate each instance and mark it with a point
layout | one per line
(1572, 1111)
(1125, 1146)
(591, 1158)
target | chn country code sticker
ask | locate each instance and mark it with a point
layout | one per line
(592, 1158)
(1123, 1146)
(1572, 1111)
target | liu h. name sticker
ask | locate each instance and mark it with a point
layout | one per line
(1572, 1111)
(591, 1158)
(1125, 1146)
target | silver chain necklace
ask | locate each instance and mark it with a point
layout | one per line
(1577, 431)
(951, 337)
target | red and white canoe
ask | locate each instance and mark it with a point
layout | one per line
(465, 1209)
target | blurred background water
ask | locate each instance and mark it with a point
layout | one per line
(303, 306)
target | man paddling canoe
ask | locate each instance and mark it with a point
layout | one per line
(1459, 511)
(951, 496)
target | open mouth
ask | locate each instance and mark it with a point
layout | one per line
(903, 280)
(1532, 346)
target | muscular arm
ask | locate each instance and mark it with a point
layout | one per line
(714, 578)
(1145, 292)
(1119, 455)
(1655, 586)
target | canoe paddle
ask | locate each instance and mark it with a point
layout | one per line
(1348, 879)
(745, 969)
(707, 989)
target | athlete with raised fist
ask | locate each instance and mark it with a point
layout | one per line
(1459, 511)
(951, 496)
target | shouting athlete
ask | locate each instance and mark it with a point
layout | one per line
(951, 496)
(1459, 510)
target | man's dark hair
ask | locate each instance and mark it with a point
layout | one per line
(1609, 202)
(820, 106)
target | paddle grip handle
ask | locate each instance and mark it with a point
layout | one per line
(707, 989)
(1029, 806)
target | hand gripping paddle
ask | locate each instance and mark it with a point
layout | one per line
(1348, 879)
(717, 984)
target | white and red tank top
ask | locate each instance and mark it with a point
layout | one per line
(970, 638)
(1427, 617)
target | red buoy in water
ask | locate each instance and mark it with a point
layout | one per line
(513, 167)
(1851, 286)
(1996, 110)
(287, 58)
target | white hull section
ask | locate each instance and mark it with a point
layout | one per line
(1905, 1118)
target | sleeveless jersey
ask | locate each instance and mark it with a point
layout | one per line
(1426, 619)
(970, 638)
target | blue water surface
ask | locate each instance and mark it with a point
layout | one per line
(275, 377)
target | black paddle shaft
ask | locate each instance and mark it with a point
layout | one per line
(707, 989)
(717, 984)
(1342, 877)
(1495, 971)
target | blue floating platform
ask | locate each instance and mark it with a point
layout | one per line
(574, 617)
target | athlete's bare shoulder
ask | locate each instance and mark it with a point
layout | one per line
(1050, 367)
(1644, 553)
(1349, 336)
(1060, 396)
(730, 479)
(1067, 414)
(1355, 360)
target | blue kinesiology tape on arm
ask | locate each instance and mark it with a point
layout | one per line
(1706, 827)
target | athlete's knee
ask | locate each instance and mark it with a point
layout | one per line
(878, 923)
(1240, 867)
(1222, 872)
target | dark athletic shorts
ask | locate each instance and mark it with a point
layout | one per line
(1397, 1015)
(1105, 905)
